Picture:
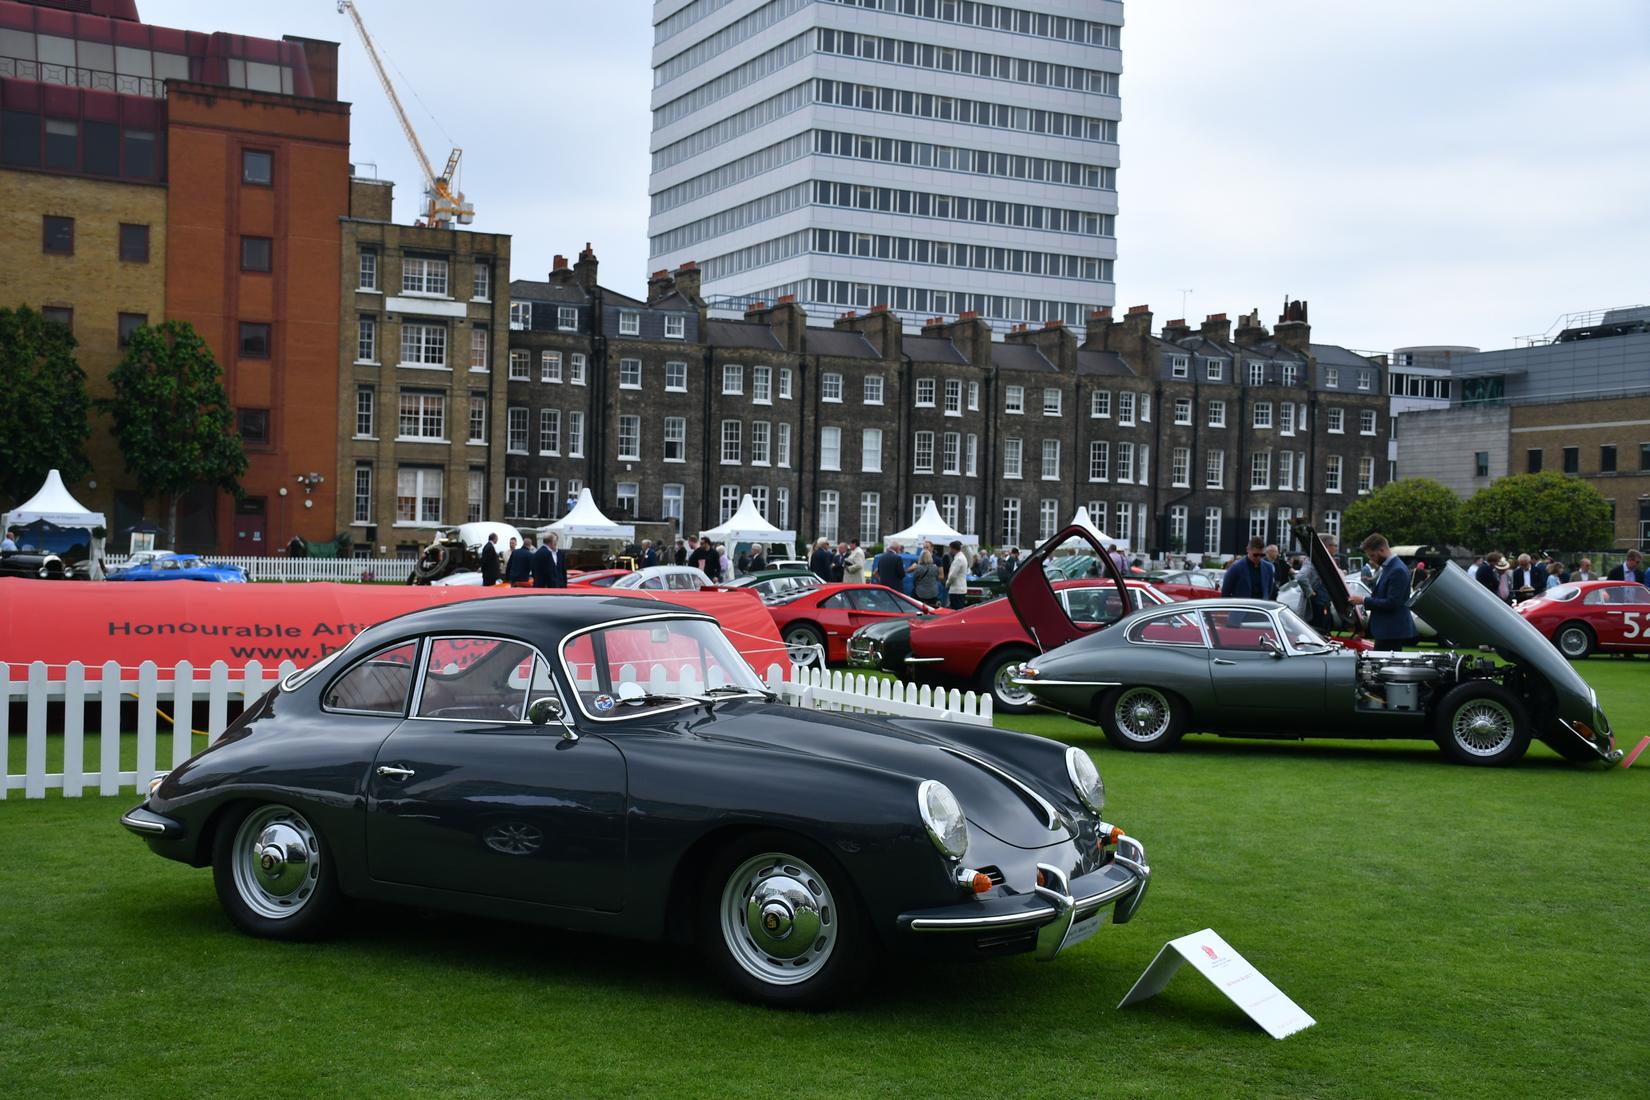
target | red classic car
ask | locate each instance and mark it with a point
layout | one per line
(825, 616)
(981, 645)
(602, 578)
(1592, 616)
(1187, 584)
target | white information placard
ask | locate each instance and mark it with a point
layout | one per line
(1231, 973)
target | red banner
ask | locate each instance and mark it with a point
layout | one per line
(166, 622)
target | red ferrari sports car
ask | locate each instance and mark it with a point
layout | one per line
(826, 615)
(1585, 617)
(603, 578)
(983, 644)
(1187, 584)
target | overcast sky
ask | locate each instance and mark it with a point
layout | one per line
(1422, 171)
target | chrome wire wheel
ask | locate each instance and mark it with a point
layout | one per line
(1574, 643)
(1142, 714)
(276, 860)
(778, 919)
(1483, 727)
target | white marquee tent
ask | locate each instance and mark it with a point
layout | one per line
(1083, 520)
(930, 526)
(54, 504)
(747, 525)
(586, 521)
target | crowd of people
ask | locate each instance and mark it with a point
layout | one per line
(523, 564)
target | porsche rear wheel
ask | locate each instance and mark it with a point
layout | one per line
(1142, 719)
(1482, 724)
(1575, 640)
(806, 644)
(273, 874)
(996, 676)
(779, 922)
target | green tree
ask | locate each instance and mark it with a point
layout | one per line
(1529, 512)
(172, 417)
(43, 405)
(1411, 511)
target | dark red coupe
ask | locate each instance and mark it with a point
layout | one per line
(1585, 617)
(823, 617)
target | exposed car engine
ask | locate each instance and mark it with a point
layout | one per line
(1409, 681)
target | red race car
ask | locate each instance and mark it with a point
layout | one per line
(979, 646)
(1585, 617)
(826, 615)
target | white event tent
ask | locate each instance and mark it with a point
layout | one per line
(932, 527)
(55, 504)
(586, 521)
(747, 525)
(1083, 520)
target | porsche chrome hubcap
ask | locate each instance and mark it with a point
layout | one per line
(778, 918)
(1483, 727)
(277, 862)
(1006, 689)
(1142, 714)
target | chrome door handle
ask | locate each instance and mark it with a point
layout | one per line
(1217, 660)
(393, 772)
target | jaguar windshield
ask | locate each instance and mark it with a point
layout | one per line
(630, 668)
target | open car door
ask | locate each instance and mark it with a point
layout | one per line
(1031, 591)
(1339, 598)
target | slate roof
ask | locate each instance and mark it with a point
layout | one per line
(1333, 355)
(1107, 364)
(931, 349)
(840, 344)
(531, 290)
(1022, 357)
(723, 333)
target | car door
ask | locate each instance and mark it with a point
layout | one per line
(1251, 671)
(468, 795)
(1036, 604)
(1623, 620)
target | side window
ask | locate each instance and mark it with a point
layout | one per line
(877, 599)
(1092, 605)
(652, 584)
(1240, 630)
(376, 685)
(476, 680)
(682, 582)
(838, 602)
(1600, 595)
(1169, 630)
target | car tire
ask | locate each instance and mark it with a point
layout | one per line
(1005, 698)
(1481, 724)
(799, 635)
(1142, 718)
(274, 874)
(1575, 640)
(760, 891)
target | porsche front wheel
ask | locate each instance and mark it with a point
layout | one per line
(1142, 719)
(779, 922)
(273, 874)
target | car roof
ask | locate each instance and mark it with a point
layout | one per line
(543, 619)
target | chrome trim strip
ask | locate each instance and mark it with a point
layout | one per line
(923, 660)
(1013, 920)
(1051, 816)
(1020, 682)
(140, 826)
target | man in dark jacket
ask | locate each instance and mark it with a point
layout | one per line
(705, 559)
(1251, 576)
(549, 565)
(489, 561)
(1280, 567)
(891, 568)
(819, 562)
(518, 570)
(1489, 574)
(1390, 623)
(1528, 580)
(1630, 570)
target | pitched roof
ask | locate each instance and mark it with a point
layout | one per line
(533, 290)
(931, 349)
(1021, 357)
(1333, 355)
(839, 343)
(1093, 361)
(723, 333)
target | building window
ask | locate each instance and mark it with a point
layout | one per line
(363, 493)
(759, 499)
(515, 497)
(828, 520)
(971, 464)
(1214, 469)
(575, 368)
(59, 315)
(1262, 414)
(521, 315)
(1125, 463)
(630, 438)
(254, 427)
(480, 363)
(258, 167)
(549, 433)
(1572, 460)
(830, 448)
(423, 275)
(1291, 374)
(1332, 378)
(973, 400)
(521, 365)
(923, 462)
(256, 253)
(366, 340)
(481, 281)
(1099, 460)
(784, 383)
(1481, 463)
(670, 501)
(970, 507)
(925, 393)
(1211, 530)
(254, 340)
(953, 397)
(782, 446)
(1607, 458)
(1366, 379)
(1533, 458)
(830, 388)
(1051, 401)
(1100, 404)
(873, 389)
(761, 385)
(567, 318)
(423, 345)
(1366, 422)
(733, 379)
(1125, 410)
(951, 453)
(1177, 527)
(549, 366)
(1182, 410)
(627, 493)
(870, 517)
(675, 439)
(630, 374)
(870, 451)
(630, 323)
(1217, 414)
(547, 498)
(1051, 460)
(1332, 475)
(1048, 518)
(675, 377)
(761, 442)
(1179, 367)
(1286, 418)
(418, 493)
(1011, 521)
(128, 323)
(134, 243)
(575, 434)
(675, 326)
(1260, 470)
(367, 270)
(364, 412)
(1014, 398)
(1258, 520)
(732, 442)
(478, 421)
(423, 415)
(782, 504)
(515, 438)
(1180, 468)
(1257, 373)
(1337, 421)
(1013, 457)
(1211, 370)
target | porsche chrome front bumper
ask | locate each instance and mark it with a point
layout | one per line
(1061, 912)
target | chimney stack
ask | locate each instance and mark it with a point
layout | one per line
(1293, 331)
(1217, 328)
(585, 270)
(1097, 331)
(687, 281)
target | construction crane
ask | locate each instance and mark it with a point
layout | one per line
(442, 204)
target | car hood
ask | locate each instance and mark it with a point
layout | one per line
(884, 628)
(996, 796)
(1466, 612)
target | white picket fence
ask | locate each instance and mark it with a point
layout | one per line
(81, 689)
(303, 569)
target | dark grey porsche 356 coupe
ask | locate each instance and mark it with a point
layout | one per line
(1252, 668)
(613, 765)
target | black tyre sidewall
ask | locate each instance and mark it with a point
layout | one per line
(851, 958)
(987, 679)
(1586, 632)
(1108, 722)
(1462, 694)
(310, 922)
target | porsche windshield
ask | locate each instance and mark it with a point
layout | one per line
(633, 667)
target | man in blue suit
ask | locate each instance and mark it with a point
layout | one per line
(1251, 576)
(1390, 623)
(549, 565)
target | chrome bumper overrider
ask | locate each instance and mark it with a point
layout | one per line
(1054, 907)
(145, 822)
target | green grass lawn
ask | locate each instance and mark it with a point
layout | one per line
(1455, 931)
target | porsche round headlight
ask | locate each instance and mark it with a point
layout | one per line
(942, 816)
(1085, 780)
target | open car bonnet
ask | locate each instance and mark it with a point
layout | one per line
(1330, 573)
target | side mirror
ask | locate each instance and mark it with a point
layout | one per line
(546, 709)
(1270, 644)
